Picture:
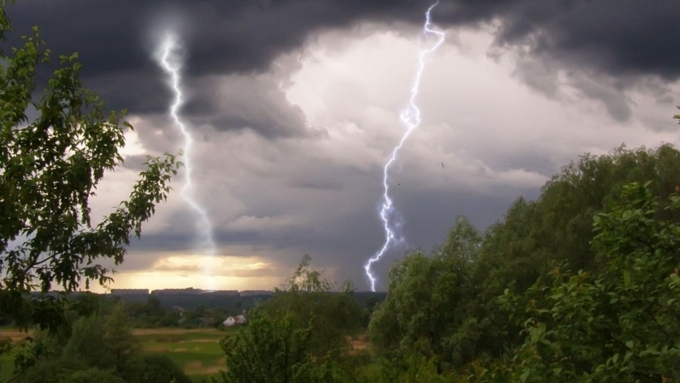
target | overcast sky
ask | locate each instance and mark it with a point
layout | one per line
(294, 108)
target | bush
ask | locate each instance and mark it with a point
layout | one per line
(162, 369)
(94, 375)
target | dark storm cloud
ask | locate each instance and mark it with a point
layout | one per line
(244, 103)
(115, 39)
(618, 37)
(603, 48)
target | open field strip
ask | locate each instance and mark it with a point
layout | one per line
(196, 351)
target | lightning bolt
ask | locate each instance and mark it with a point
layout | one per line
(170, 61)
(410, 117)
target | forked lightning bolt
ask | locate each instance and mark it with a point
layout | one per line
(410, 117)
(170, 61)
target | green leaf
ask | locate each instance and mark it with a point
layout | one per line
(524, 376)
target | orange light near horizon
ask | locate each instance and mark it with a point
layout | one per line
(182, 271)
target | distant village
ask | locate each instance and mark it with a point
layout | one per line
(177, 300)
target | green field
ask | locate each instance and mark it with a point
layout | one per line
(196, 351)
(6, 367)
(7, 361)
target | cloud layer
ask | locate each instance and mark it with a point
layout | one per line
(294, 108)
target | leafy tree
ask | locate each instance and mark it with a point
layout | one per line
(427, 301)
(450, 308)
(617, 325)
(557, 227)
(161, 369)
(45, 371)
(153, 306)
(300, 335)
(120, 342)
(94, 375)
(97, 345)
(268, 351)
(87, 345)
(104, 342)
(49, 168)
(306, 296)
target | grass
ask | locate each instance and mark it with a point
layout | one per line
(7, 361)
(197, 351)
(6, 367)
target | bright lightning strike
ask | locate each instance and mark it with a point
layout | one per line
(410, 117)
(170, 61)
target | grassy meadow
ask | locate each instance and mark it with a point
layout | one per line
(197, 351)
(7, 361)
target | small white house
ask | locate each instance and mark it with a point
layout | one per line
(239, 319)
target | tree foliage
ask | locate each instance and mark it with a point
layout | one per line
(308, 296)
(558, 290)
(161, 369)
(269, 350)
(50, 167)
(97, 347)
(427, 301)
(620, 324)
(297, 336)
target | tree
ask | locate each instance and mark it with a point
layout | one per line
(105, 342)
(49, 168)
(161, 369)
(153, 307)
(94, 375)
(520, 251)
(427, 300)
(620, 324)
(558, 225)
(308, 296)
(301, 334)
(268, 350)
(101, 348)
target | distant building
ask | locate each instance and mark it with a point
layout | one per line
(228, 293)
(186, 291)
(246, 293)
(239, 319)
(127, 292)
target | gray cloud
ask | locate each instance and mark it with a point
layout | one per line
(289, 164)
(116, 38)
(244, 102)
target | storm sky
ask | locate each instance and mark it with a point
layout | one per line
(294, 108)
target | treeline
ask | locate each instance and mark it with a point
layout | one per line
(232, 304)
(151, 313)
(580, 285)
(204, 310)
